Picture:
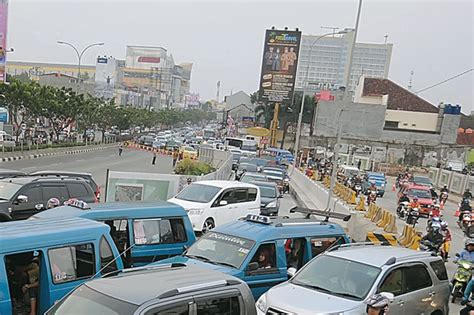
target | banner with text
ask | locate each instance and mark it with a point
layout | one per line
(280, 60)
(3, 38)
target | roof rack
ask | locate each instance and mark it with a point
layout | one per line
(321, 213)
(142, 268)
(357, 244)
(195, 287)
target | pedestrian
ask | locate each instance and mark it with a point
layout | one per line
(154, 158)
(175, 157)
(359, 163)
(120, 149)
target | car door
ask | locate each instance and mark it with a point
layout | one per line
(242, 203)
(392, 282)
(55, 190)
(419, 290)
(32, 206)
(224, 213)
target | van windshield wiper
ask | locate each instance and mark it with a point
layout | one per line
(346, 295)
(314, 287)
(198, 257)
(225, 264)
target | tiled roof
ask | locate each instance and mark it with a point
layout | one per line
(399, 98)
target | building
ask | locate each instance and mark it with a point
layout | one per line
(152, 73)
(328, 67)
(36, 69)
(238, 105)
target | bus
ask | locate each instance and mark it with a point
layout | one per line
(248, 147)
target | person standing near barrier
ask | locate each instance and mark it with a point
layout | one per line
(120, 149)
(175, 157)
(154, 158)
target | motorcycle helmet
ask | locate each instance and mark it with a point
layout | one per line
(444, 225)
(415, 198)
(469, 241)
(435, 227)
(52, 203)
(379, 301)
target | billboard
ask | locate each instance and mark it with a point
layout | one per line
(279, 63)
(3, 38)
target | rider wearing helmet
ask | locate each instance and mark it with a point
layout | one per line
(404, 198)
(415, 203)
(372, 186)
(435, 212)
(468, 253)
(446, 239)
(52, 203)
(467, 194)
(444, 189)
(434, 235)
(378, 303)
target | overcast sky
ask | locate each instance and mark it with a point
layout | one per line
(224, 39)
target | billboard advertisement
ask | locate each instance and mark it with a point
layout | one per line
(3, 38)
(279, 62)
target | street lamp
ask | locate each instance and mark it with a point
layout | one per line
(305, 83)
(79, 55)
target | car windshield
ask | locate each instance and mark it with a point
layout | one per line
(198, 193)
(7, 190)
(273, 174)
(85, 300)
(336, 276)
(221, 249)
(252, 177)
(420, 193)
(267, 192)
(248, 167)
(422, 180)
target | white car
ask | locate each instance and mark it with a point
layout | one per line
(215, 202)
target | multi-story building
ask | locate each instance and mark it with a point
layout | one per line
(326, 62)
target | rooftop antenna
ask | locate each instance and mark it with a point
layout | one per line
(386, 38)
(410, 83)
(334, 29)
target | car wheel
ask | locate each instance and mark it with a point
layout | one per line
(208, 225)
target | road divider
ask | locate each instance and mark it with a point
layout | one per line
(380, 238)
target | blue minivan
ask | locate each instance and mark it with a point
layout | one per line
(43, 260)
(262, 251)
(153, 230)
(378, 178)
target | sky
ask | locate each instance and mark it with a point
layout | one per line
(224, 39)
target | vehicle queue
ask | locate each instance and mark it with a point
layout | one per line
(243, 244)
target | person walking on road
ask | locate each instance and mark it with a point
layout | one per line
(154, 158)
(175, 157)
(120, 149)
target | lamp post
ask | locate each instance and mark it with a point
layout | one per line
(79, 55)
(305, 82)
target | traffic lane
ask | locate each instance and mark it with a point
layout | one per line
(97, 163)
(286, 203)
(389, 202)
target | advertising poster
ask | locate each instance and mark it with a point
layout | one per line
(3, 38)
(279, 63)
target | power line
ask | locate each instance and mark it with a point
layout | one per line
(444, 81)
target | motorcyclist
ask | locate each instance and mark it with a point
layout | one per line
(404, 198)
(464, 207)
(468, 253)
(467, 194)
(434, 235)
(447, 239)
(415, 203)
(372, 186)
(444, 189)
(378, 303)
(53, 203)
(434, 194)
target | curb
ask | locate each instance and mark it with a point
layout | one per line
(39, 155)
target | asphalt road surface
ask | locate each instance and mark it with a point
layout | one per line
(389, 202)
(97, 163)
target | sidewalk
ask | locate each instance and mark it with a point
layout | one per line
(15, 156)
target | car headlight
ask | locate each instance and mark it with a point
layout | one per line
(195, 211)
(272, 204)
(262, 303)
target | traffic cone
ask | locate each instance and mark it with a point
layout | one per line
(457, 213)
(393, 187)
(441, 206)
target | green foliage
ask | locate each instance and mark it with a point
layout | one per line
(190, 167)
(27, 101)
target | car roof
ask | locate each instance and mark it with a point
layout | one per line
(376, 255)
(141, 283)
(225, 183)
(375, 174)
(60, 172)
(33, 234)
(254, 174)
(262, 183)
(28, 179)
(115, 210)
(420, 187)
(279, 228)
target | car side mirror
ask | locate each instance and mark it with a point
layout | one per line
(22, 199)
(291, 272)
(252, 266)
(223, 203)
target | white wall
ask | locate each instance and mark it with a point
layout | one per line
(412, 120)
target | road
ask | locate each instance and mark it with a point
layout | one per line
(96, 163)
(389, 202)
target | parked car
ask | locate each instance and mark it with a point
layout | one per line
(144, 232)
(214, 202)
(235, 248)
(22, 197)
(182, 290)
(340, 280)
(87, 176)
(269, 196)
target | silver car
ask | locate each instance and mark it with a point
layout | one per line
(342, 279)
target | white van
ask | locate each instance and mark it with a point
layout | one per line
(349, 171)
(214, 202)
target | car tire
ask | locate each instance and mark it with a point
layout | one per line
(4, 218)
(208, 225)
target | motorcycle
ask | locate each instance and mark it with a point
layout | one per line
(413, 216)
(428, 246)
(402, 210)
(357, 189)
(443, 197)
(432, 219)
(286, 185)
(461, 277)
(372, 197)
